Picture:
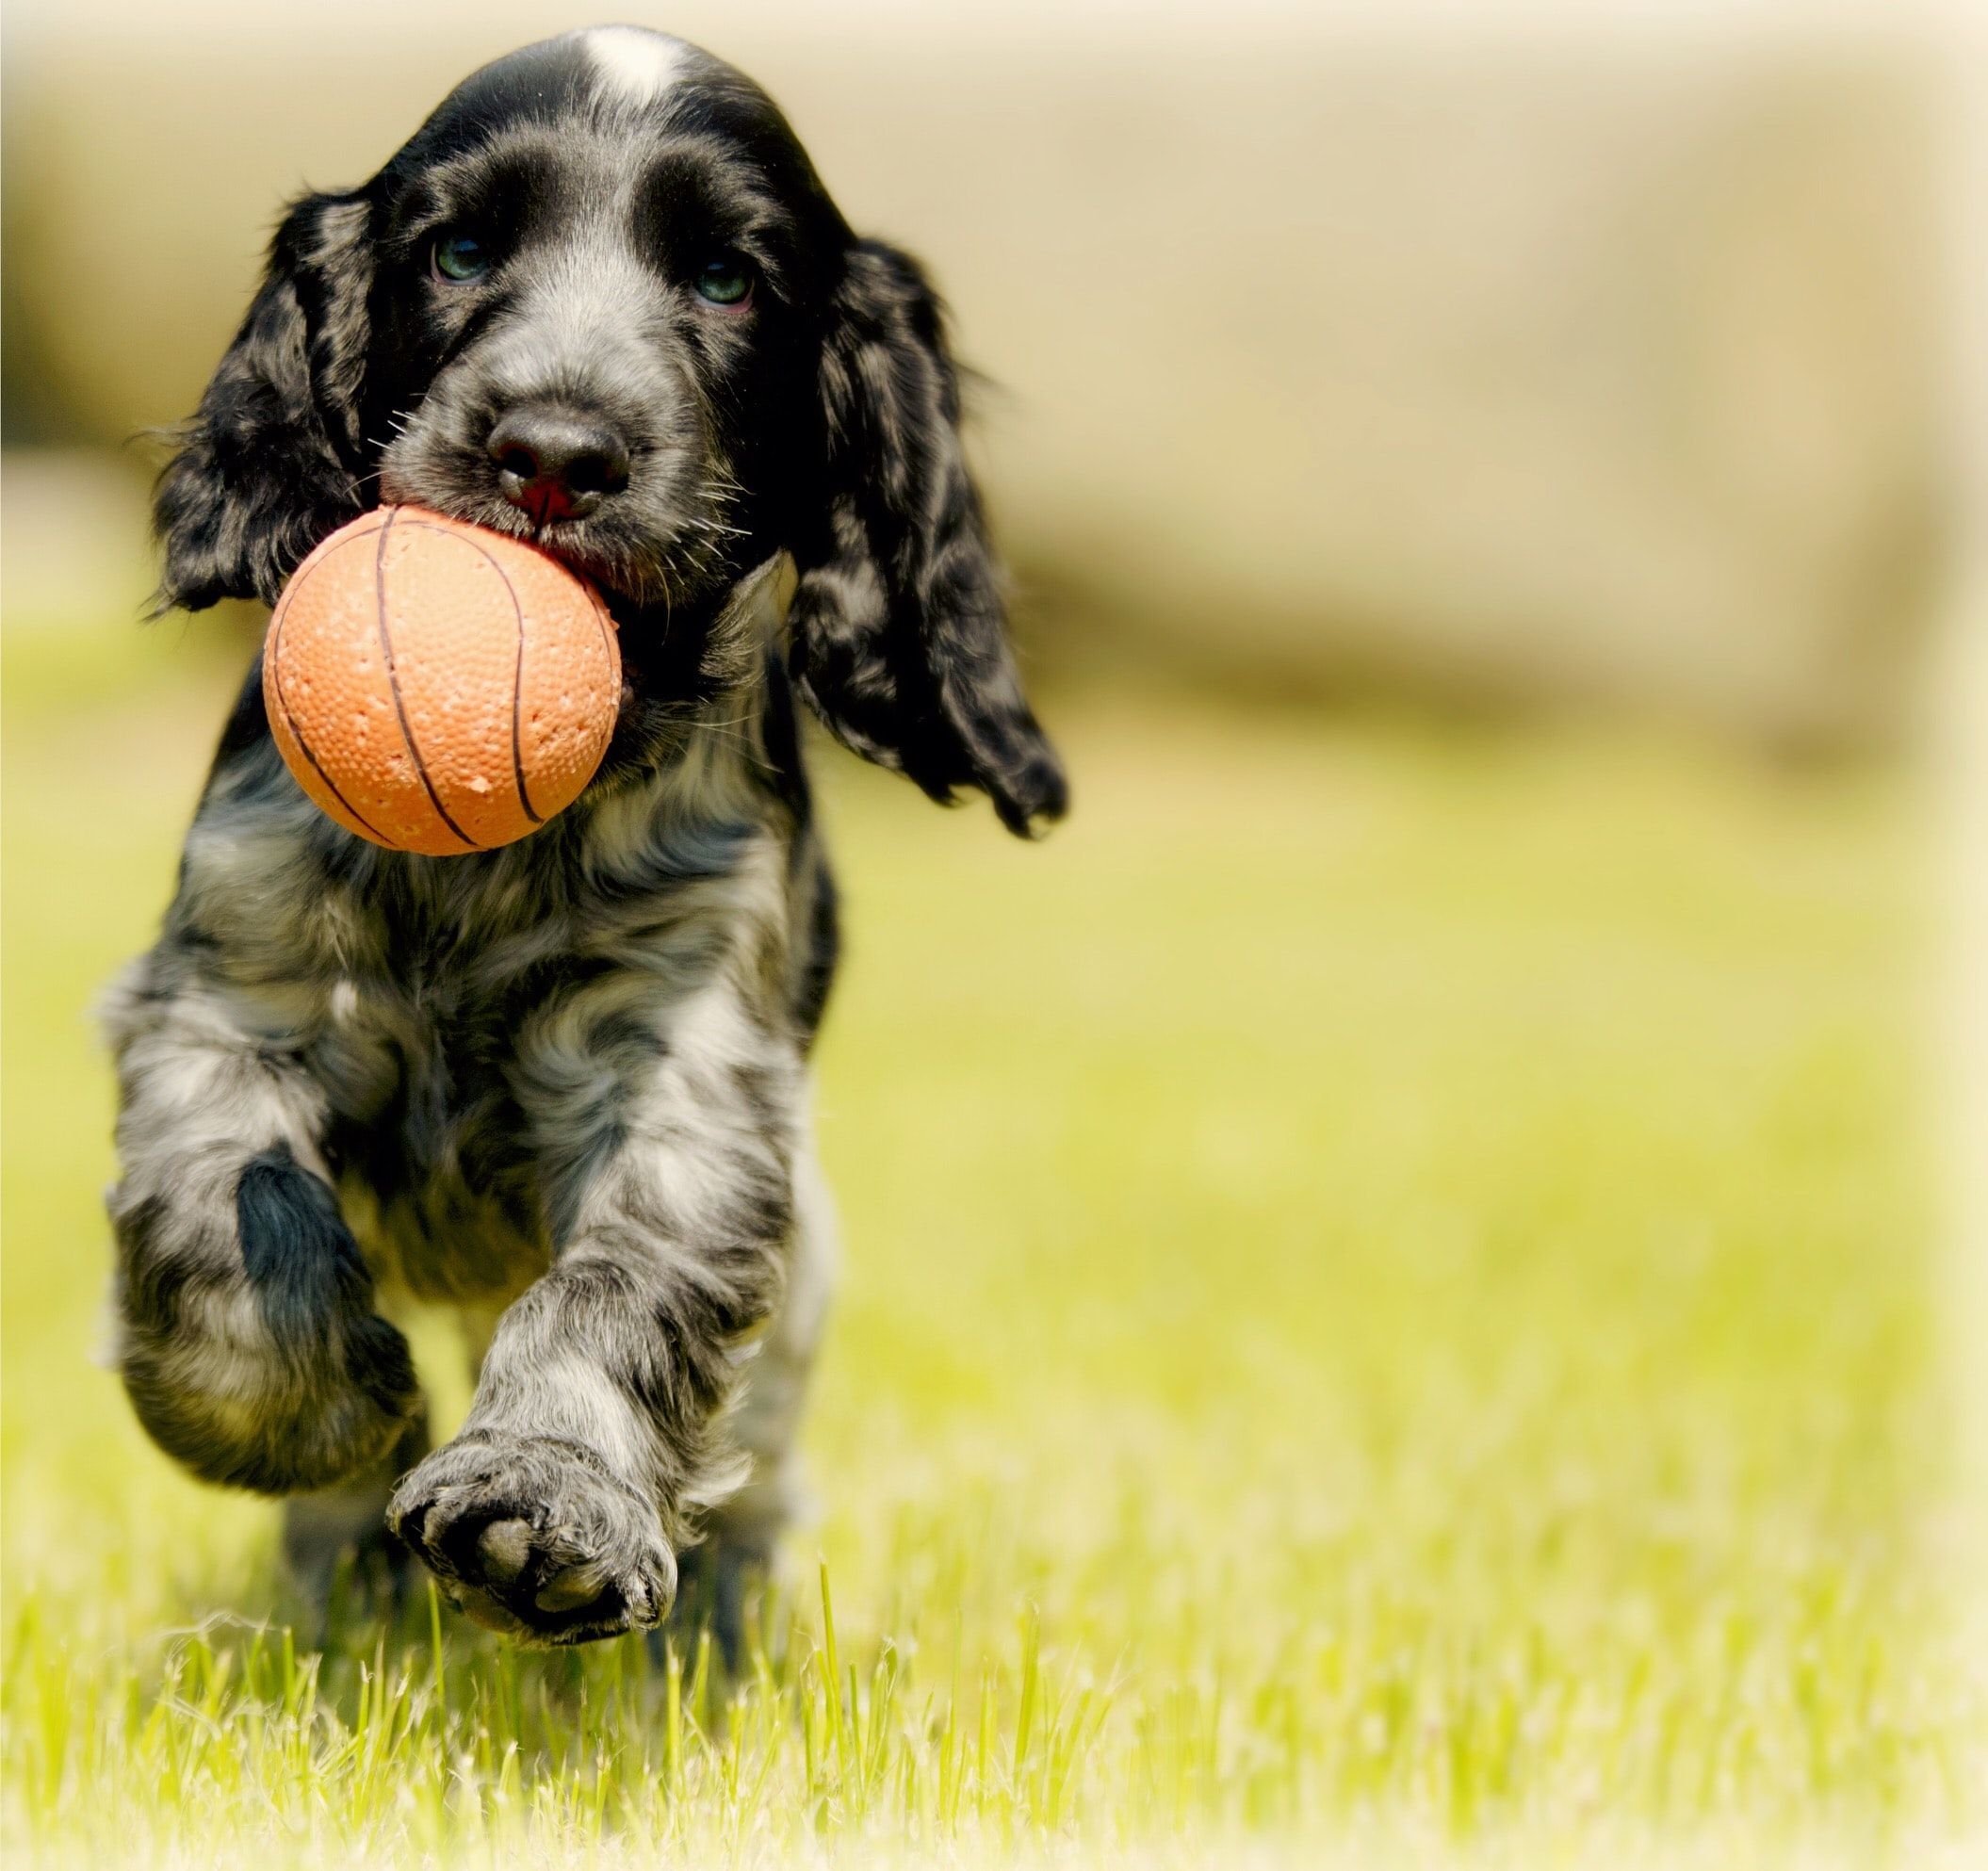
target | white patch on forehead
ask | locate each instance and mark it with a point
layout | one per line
(636, 65)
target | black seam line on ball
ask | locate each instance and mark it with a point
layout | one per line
(393, 683)
(518, 683)
(289, 720)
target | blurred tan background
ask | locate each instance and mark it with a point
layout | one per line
(1544, 363)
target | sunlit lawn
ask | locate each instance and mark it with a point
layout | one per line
(1387, 1312)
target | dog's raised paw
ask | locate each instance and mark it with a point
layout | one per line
(533, 1537)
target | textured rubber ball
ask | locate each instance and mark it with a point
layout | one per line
(438, 688)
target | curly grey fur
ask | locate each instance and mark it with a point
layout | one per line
(560, 1086)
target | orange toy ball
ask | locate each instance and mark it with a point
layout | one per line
(438, 688)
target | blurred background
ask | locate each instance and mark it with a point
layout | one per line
(1501, 355)
(1408, 1230)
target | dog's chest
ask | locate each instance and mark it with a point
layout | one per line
(431, 1143)
(436, 1061)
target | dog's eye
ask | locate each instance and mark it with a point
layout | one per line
(460, 256)
(725, 279)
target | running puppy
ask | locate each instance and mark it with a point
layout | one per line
(599, 300)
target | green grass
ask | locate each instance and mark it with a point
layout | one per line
(1388, 1314)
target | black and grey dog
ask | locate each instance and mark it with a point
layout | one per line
(600, 301)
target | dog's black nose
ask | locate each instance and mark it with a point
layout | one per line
(558, 464)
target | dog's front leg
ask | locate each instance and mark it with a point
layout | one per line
(247, 1337)
(556, 1513)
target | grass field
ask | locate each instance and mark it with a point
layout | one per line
(1387, 1315)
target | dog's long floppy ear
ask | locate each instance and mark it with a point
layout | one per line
(898, 638)
(271, 460)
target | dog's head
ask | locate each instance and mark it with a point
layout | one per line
(601, 301)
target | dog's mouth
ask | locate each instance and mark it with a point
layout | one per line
(638, 572)
(573, 542)
(662, 545)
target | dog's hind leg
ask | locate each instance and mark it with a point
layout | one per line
(341, 1533)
